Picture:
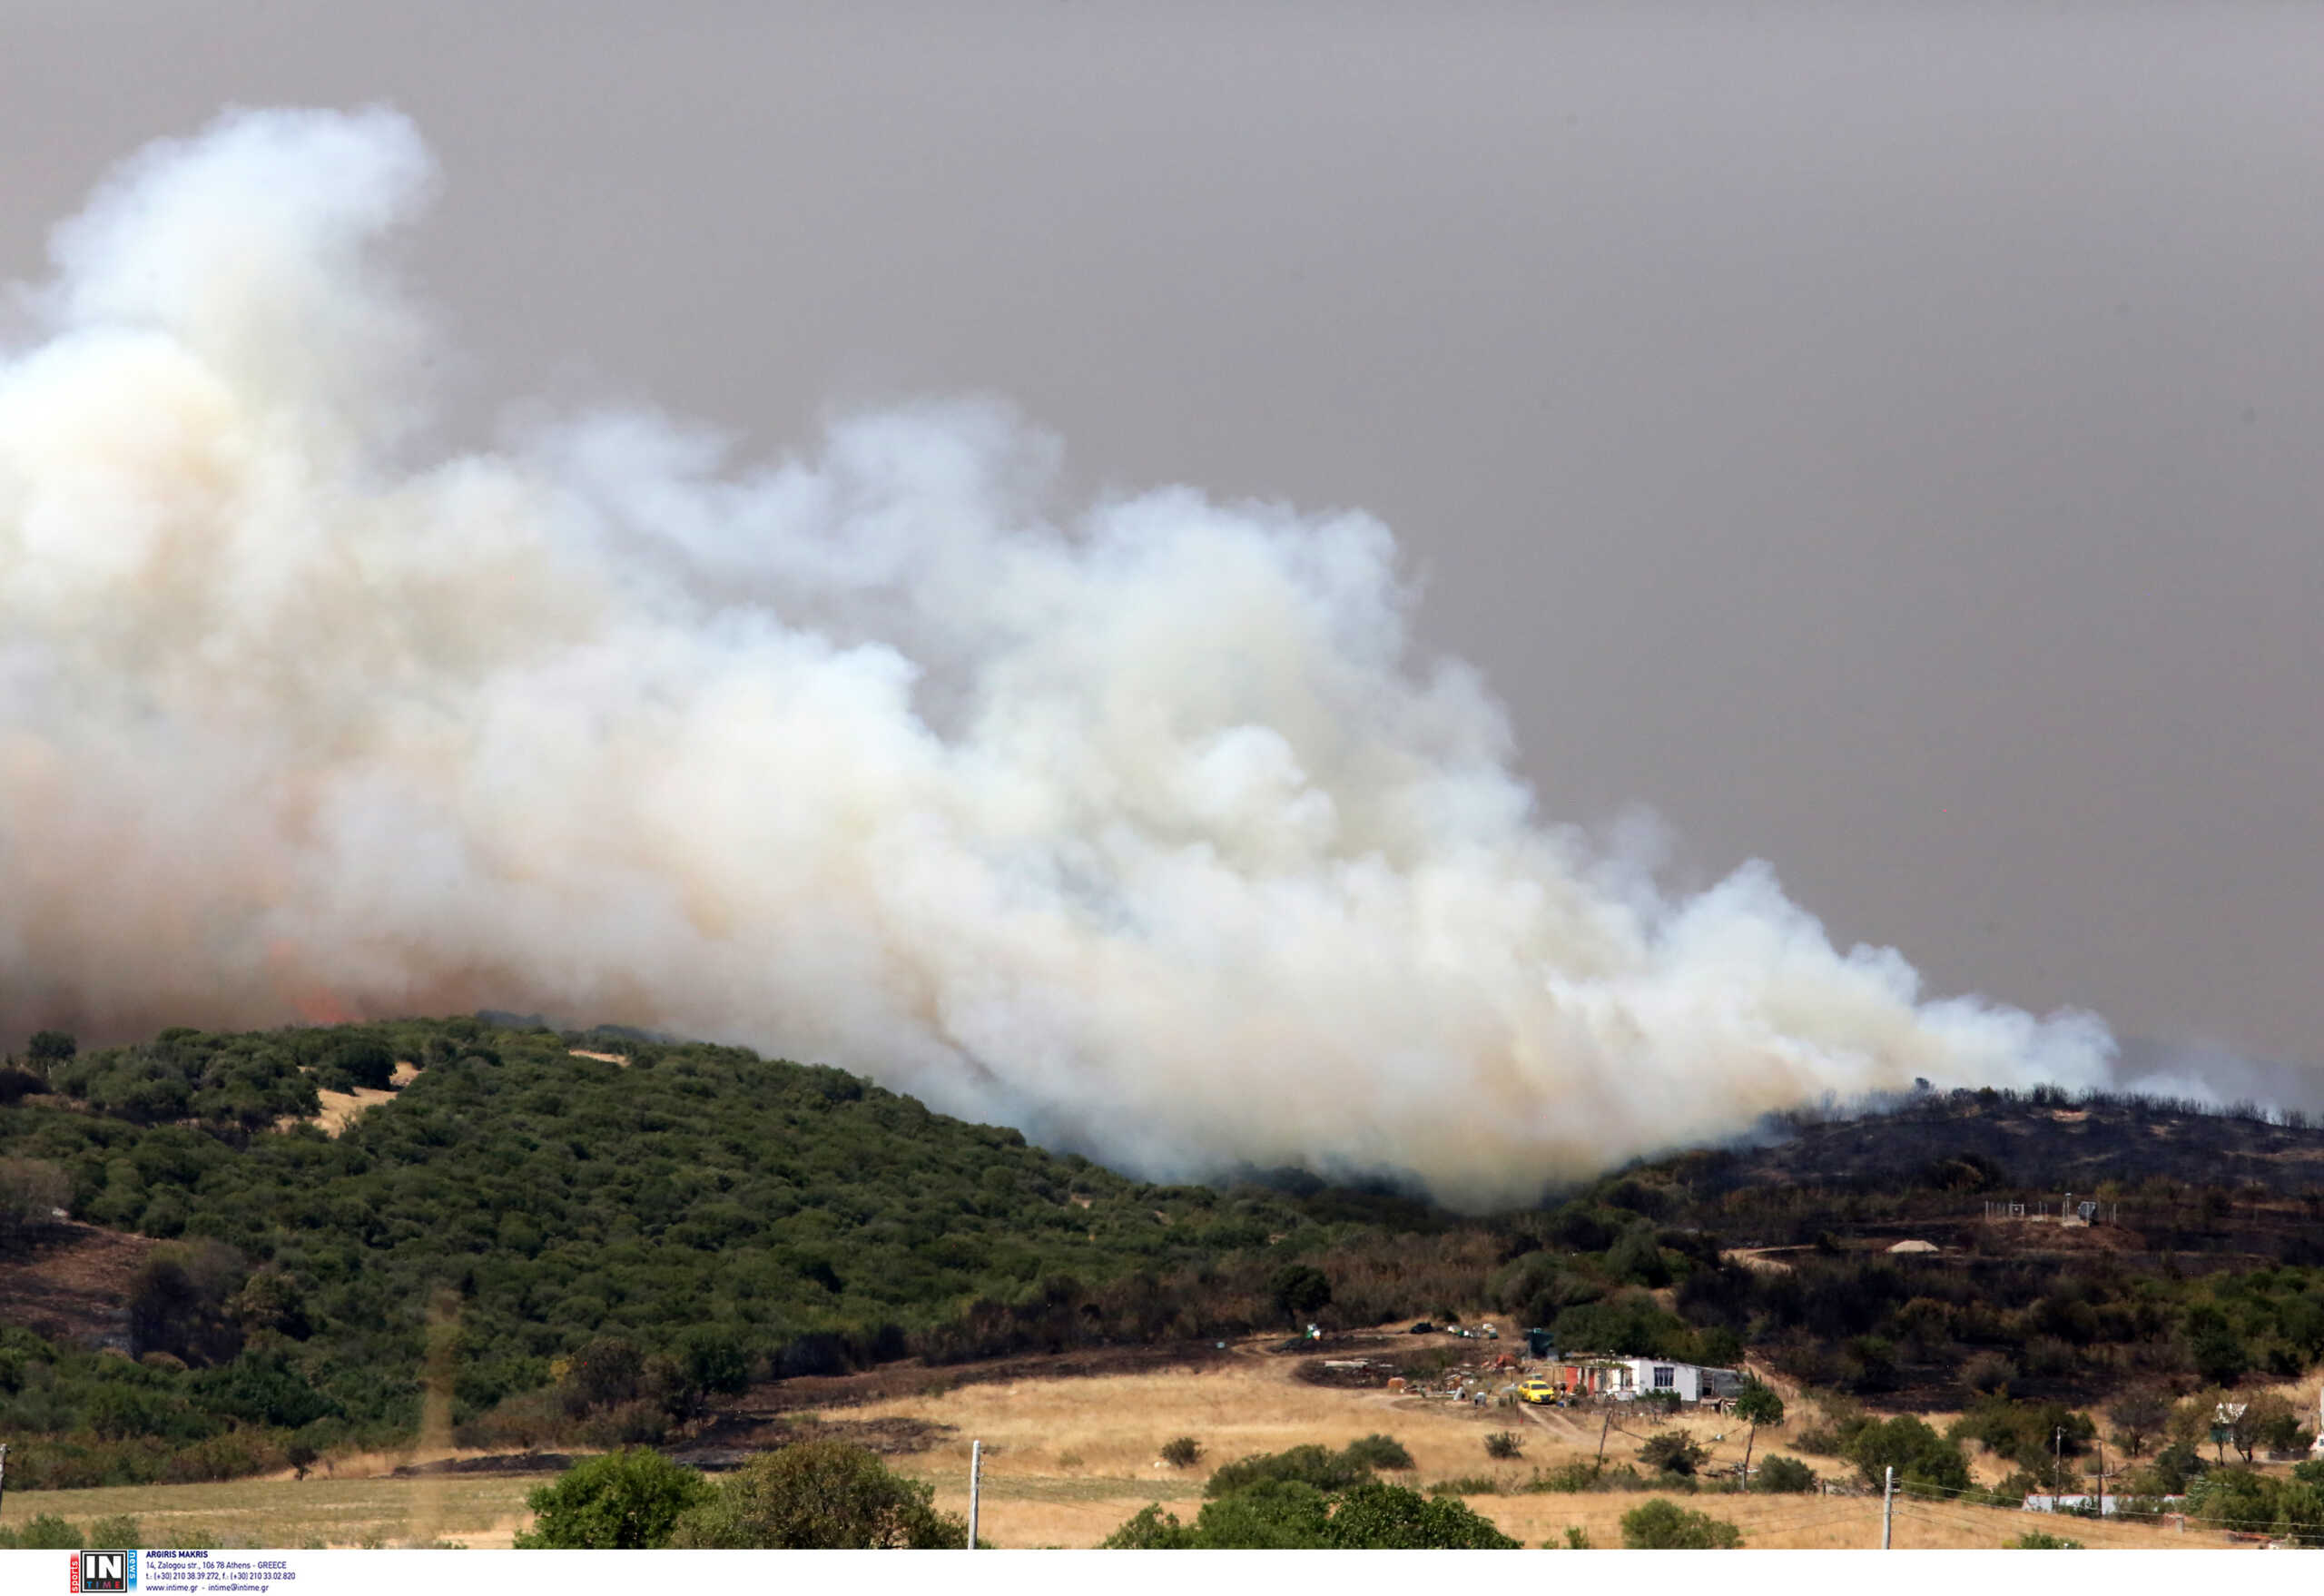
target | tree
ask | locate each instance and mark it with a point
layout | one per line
(818, 1496)
(50, 1047)
(1637, 1259)
(1661, 1526)
(1918, 1454)
(623, 1499)
(606, 1372)
(2267, 1419)
(1273, 1515)
(1786, 1474)
(1279, 1514)
(1299, 1289)
(2219, 1353)
(365, 1061)
(1378, 1517)
(1377, 1452)
(31, 1192)
(1149, 1529)
(2139, 1416)
(714, 1359)
(1755, 1404)
(1671, 1452)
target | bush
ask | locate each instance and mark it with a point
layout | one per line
(1988, 1373)
(821, 1495)
(1918, 1454)
(1566, 1477)
(1182, 1453)
(1672, 1451)
(121, 1531)
(1378, 1452)
(1149, 1529)
(1502, 1445)
(1664, 1526)
(625, 1500)
(1378, 1517)
(1291, 1515)
(47, 1532)
(1270, 1515)
(1325, 1470)
(1784, 1475)
(31, 1191)
(1299, 1289)
(2040, 1540)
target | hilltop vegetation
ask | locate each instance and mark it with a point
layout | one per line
(600, 1245)
(590, 1251)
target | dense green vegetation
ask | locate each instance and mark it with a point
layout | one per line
(1310, 1498)
(589, 1251)
(812, 1495)
(1664, 1526)
(600, 1247)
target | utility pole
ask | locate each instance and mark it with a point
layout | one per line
(3, 1472)
(976, 1468)
(1602, 1428)
(2058, 1462)
(1888, 1507)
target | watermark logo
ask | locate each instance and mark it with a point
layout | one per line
(104, 1572)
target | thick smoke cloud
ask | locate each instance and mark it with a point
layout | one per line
(1140, 826)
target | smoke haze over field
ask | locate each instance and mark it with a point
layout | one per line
(1139, 824)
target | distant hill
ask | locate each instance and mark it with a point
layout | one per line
(2042, 1140)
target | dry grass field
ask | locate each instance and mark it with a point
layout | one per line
(1066, 1459)
(471, 1510)
(1066, 1462)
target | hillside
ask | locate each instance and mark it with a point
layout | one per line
(587, 1238)
(2042, 1140)
(688, 1217)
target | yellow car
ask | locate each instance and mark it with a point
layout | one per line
(1538, 1391)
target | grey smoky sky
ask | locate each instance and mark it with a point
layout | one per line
(1880, 438)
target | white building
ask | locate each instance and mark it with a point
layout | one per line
(1636, 1376)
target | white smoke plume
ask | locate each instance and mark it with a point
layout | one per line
(1139, 827)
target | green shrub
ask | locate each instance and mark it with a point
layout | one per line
(1919, 1455)
(1285, 1515)
(1783, 1474)
(1182, 1451)
(2040, 1540)
(1672, 1451)
(1292, 1516)
(1501, 1446)
(624, 1500)
(818, 1496)
(45, 1533)
(1149, 1529)
(1664, 1526)
(1377, 1452)
(1377, 1516)
(1318, 1466)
